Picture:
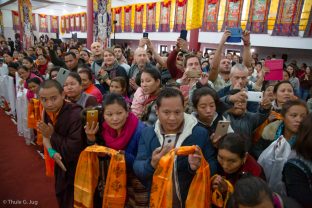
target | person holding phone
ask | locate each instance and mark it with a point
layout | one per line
(239, 83)
(209, 111)
(62, 130)
(193, 75)
(176, 59)
(221, 66)
(247, 122)
(183, 130)
(121, 130)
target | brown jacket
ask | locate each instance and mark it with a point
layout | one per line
(69, 140)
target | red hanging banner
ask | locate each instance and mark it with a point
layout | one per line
(15, 19)
(164, 22)
(127, 18)
(83, 26)
(180, 15)
(72, 23)
(117, 18)
(43, 23)
(288, 18)
(138, 24)
(150, 17)
(77, 22)
(67, 24)
(232, 16)
(210, 19)
(63, 25)
(54, 22)
(33, 22)
(258, 16)
(308, 30)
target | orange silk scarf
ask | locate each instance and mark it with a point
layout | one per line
(49, 162)
(87, 174)
(199, 191)
(258, 132)
(34, 115)
(217, 198)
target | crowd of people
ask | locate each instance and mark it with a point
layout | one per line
(161, 119)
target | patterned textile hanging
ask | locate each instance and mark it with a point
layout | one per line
(25, 9)
(150, 17)
(33, 22)
(117, 14)
(77, 22)
(63, 24)
(232, 16)
(180, 15)
(127, 18)
(67, 24)
(72, 23)
(138, 25)
(210, 19)
(164, 19)
(258, 16)
(15, 18)
(1, 23)
(102, 21)
(43, 23)
(308, 30)
(288, 18)
(54, 24)
(83, 27)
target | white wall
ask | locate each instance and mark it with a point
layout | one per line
(301, 55)
(210, 37)
(8, 23)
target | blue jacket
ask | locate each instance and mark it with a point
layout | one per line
(192, 134)
(132, 147)
(226, 91)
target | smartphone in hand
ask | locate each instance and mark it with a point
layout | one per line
(254, 96)
(92, 117)
(169, 139)
(62, 75)
(193, 74)
(183, 34)
(145, 35)
(236, 35)
(222, 128)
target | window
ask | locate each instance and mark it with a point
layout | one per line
(209, 50)
(233, 51)
(163, 48)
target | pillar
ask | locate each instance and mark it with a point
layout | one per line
(89, 23)
(194, 45)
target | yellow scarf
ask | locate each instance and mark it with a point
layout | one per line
(87, 174)
(199, 191)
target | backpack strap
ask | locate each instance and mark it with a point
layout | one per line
(303, 167)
